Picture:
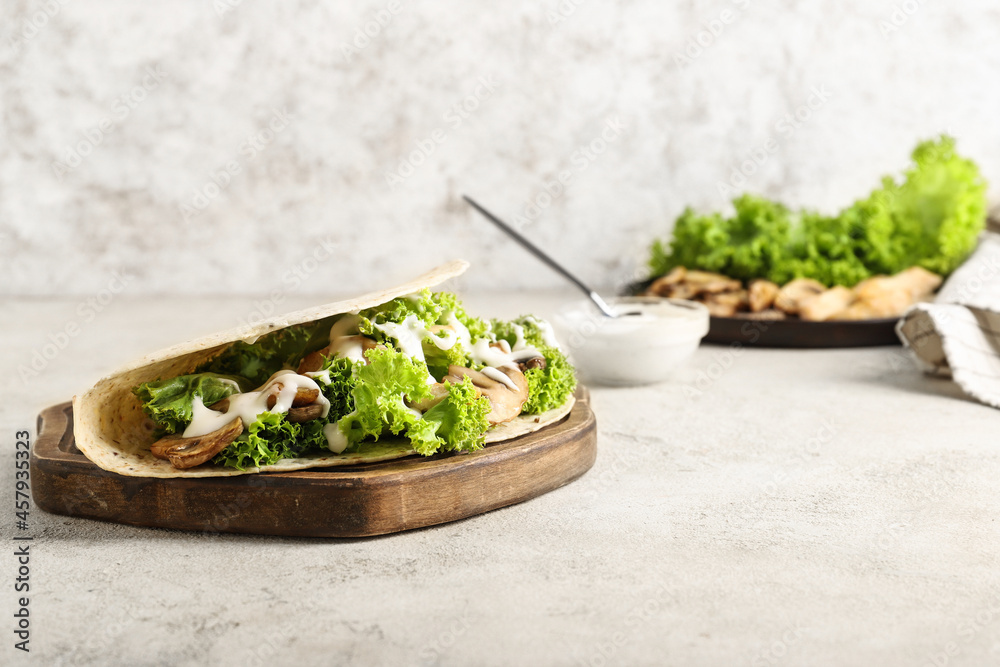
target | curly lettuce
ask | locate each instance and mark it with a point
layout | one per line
(272, 438)
(431, 308)
(457, 423)
(390, 380)
(168, 402)
(930, 218)
(270, 353)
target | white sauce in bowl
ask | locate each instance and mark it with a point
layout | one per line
(632, 349)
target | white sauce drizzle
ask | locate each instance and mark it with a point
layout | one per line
(546, 331)
(410, 333)
(323, 375)
(519, 333)
(349, 347)
(499, 376)
(407, 335)
(346, 325)
(251, 404)
(336, 441)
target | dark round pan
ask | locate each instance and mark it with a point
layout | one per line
(793, 332)
(801, 333)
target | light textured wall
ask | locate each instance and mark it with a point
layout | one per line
(115, 114)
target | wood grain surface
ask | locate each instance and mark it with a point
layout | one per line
(358, 501)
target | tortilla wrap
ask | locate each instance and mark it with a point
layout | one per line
(112, 430)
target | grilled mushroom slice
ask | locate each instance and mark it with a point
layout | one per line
(796, 294)
(665, 285)
(303, 396)
(305, 413)
(762, 294)
(506, 402)
(534, 362)
(314, 361)
(190, 452)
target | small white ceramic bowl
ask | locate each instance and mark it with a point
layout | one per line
(631, 349)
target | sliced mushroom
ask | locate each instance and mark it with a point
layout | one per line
(706, 282)
(303, 396)
(314, 361)
(506, 402)
(534, 362)
(761, 294)
(305, 413)
(663, 286)
(825, 306)
(190, 452)
(796, 294)
(716, 309)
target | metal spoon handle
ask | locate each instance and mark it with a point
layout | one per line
(537, 252)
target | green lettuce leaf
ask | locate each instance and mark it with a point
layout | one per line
(549, 387)
(430, 307)
(931, 218)
(272, 352)
(380, 389)
(168, 402)
(380, 392)
(272, 438)
(340, 390)
(438, 360)
(456, 423)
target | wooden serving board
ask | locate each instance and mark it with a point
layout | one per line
(355, 501)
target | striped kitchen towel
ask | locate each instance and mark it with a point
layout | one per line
(958, 335)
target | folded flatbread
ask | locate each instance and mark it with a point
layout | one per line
(114, 432)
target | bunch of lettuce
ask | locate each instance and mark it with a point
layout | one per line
(930, 218)
(367, 400)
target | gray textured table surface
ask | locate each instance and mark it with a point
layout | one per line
(765, 507)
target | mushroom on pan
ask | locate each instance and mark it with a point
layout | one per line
(762, 294)
(793, 296)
